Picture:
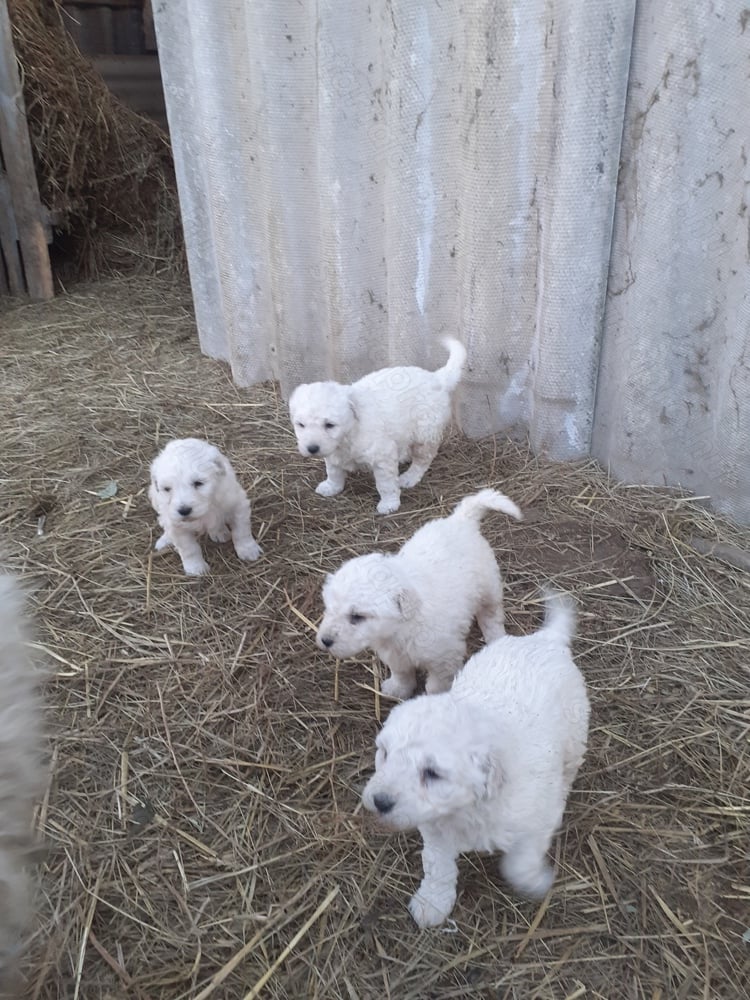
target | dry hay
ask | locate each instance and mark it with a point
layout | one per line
(105, 173)
(203, 825)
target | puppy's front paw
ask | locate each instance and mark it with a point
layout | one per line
(328, 489)
(161, 543)
(221, 535)
(389, 505)
(249, 549)
(437, 683)
(427, 913)
(195, 567)
(409, 478)
(529, 875)
(395, 688)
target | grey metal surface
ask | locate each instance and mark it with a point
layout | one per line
(357, 180)
(674, 383)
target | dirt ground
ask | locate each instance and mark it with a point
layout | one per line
(202, 824)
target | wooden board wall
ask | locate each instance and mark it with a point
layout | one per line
(24, 232)
(118, 37)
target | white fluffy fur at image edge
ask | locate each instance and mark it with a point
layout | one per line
(22, 774)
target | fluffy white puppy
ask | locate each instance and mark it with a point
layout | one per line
(21, 776)
(391, 416)
(488, 765)
(195, 492)
(414, 608)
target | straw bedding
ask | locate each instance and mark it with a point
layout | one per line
(202, 824)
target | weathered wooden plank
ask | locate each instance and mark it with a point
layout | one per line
(149, 32)
(11, 278)
(92, 30)
(19, 169)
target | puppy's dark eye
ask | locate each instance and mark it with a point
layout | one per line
(355, 619)
(328, 425)
(198, 483)
(300, 425)
(430, 774)
(166, 489)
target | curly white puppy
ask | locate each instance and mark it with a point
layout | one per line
(415, 608)
(487, 766)
(21, 776)
(390, 416)
(195, 492)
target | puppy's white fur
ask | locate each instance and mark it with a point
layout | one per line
(414, 608)
(195, 492)
(21, 775)
(487, 765)
(392, 416)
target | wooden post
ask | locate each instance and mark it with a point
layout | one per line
(12, 281)
(26, 209)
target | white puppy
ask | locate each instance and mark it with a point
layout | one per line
(195, 492)
(21, 776)
(415, 608)
(391, 416)
(487, 766)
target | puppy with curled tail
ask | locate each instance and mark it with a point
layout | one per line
(414, 608)
(389, 417)
(488, 765)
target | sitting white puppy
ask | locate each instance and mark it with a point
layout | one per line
(391, 416)
(195, 492)
(415, 608)
(487, 766)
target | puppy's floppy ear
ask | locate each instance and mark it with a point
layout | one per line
(407, 602)
(352, 407)
(220, 463)
(488, 776)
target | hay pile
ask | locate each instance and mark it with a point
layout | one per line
(105, 173)
(202, 820)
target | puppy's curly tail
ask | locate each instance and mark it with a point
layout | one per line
(450, 374)
(559, 616)
(475, 507)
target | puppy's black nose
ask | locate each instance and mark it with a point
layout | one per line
(313, 449)
(184, 511)
(383, 803)
(327, 641)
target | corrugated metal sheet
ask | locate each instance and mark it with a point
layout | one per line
(674, 379)
(357, 180)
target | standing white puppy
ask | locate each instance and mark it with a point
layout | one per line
(487, 766)
(415, 608)
(21, 776)
(391, 416)
(195, 492)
